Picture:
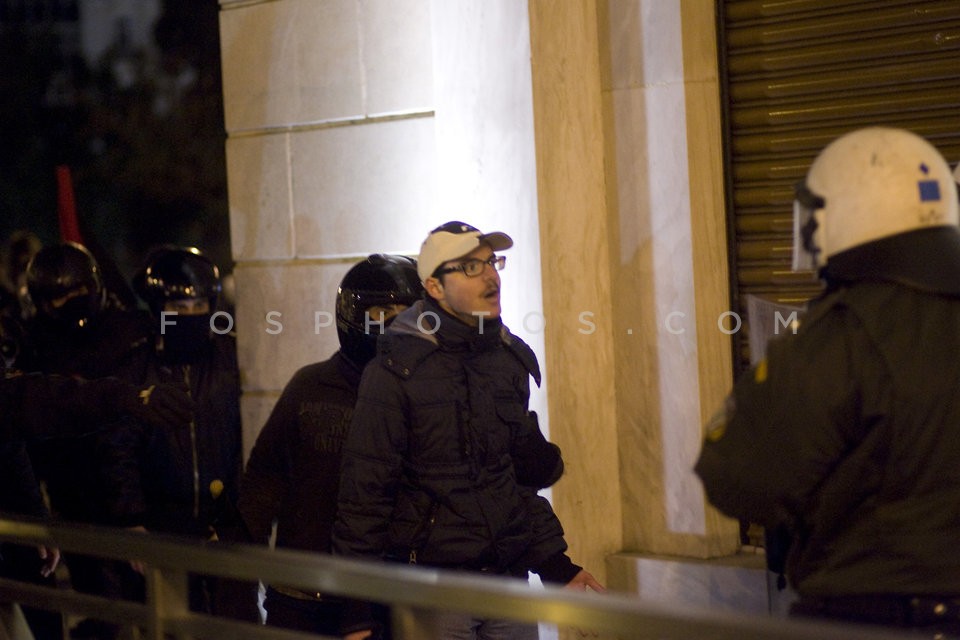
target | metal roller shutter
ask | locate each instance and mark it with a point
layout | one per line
(798, 73)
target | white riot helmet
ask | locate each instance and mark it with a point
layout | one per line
(868, 185)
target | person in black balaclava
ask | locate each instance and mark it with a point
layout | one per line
(79, 331)
(184, 482)
(38, 410)
(293, 472)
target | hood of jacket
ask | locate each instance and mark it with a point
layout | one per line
(425, 327)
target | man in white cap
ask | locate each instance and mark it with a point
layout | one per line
(443, 460)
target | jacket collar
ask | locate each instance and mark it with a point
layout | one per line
(925, 259)
(427, 320)
(433, 329)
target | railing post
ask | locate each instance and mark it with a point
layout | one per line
(12, 623)
(168, 597)
(403, 622)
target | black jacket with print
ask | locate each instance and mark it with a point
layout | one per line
(294, 469)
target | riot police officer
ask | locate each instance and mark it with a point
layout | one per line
(184, 482)
(80, 332)
(847, 434)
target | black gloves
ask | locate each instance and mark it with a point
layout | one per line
(536, 461)
(159, 405)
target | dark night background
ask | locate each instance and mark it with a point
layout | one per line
(145, 143)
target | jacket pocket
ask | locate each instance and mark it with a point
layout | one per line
(411, 526)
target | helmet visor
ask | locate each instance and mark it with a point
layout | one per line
(805, 248)
(353, 304)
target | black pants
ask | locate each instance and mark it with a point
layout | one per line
(24, 564)
(927, 615)
(315, 616)
(101, 577)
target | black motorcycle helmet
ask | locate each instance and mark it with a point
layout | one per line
(379, 280)
(65, 285)
(177, 273)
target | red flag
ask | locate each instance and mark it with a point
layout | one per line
(67, 207)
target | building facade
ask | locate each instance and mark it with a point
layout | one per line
(591, 132)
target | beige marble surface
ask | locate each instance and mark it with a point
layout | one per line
(736, 584)
(285, 318)
(329, 143)
(291, 62)
(360, 189)
(261, 216)
(575, 243)
(622, 177)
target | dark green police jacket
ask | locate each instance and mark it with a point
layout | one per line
(848, 434)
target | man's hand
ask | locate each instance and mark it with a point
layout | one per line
(358, 635)
(584, 581)
(51, 558)
(138, 565)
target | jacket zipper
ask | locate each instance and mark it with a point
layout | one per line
(425, 525)
(194, 453)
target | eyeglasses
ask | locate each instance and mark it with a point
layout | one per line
(474, 267)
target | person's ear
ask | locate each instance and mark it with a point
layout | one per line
(433, 287)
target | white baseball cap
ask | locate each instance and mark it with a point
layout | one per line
(453, 240)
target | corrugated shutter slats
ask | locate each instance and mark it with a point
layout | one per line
(797, 74)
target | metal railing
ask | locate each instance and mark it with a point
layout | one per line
(169, 560)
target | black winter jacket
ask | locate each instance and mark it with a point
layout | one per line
(37, 408)
(73, 469)
(293, 473)
(848, 436)
(294, 469)
(163, 477)
(429, 470)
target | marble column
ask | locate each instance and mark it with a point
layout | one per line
(576, 240)
(633, 230)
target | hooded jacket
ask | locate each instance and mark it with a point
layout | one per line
(431, 462)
